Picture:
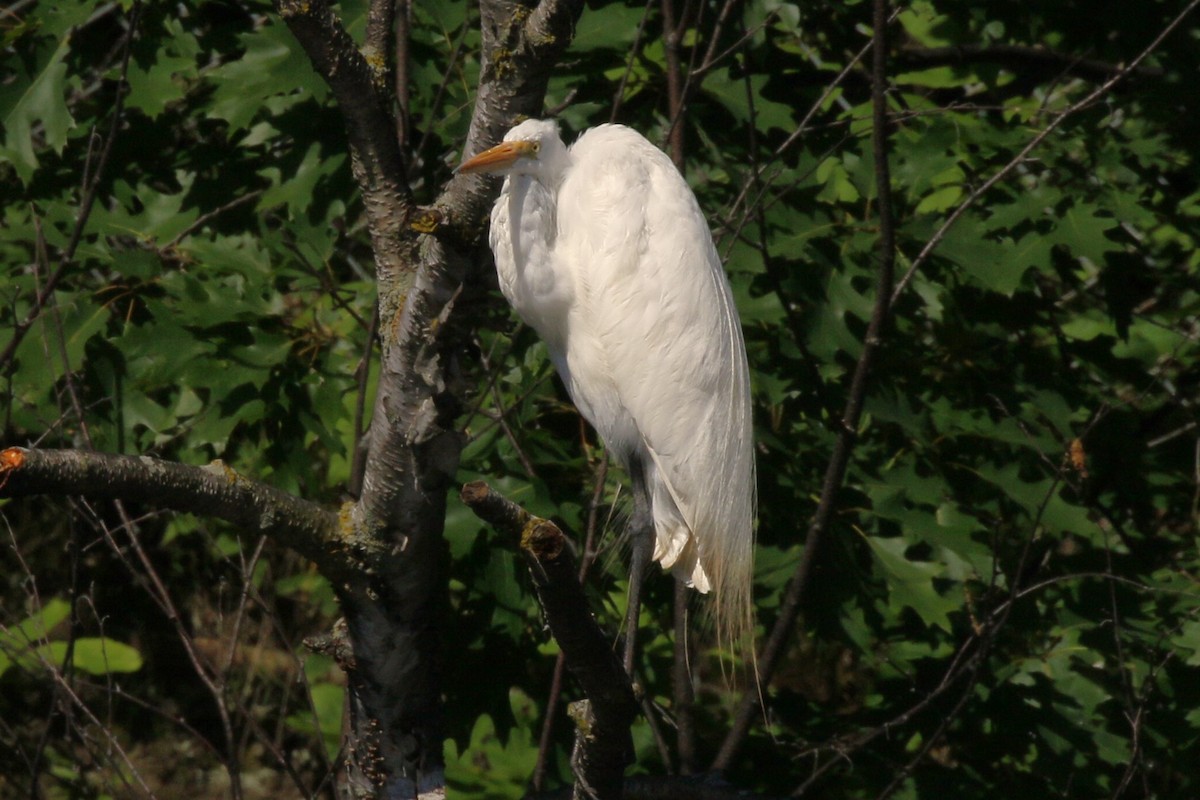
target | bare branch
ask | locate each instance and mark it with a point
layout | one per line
(208, 217)
(375, 159)
(215, 490)
(1016, 56)
(634, 48)
(675, 99)
(603, 746)
(401, 69)
(585, 565)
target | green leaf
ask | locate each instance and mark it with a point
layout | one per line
(1086, 327)
(934, 78)
(836, 180)
(17, 643)
(939, 200)
(296, 191)
(1188, 640)
(995, 265)
(325, 720)
(41, 103)
(273, 66)
(922, 22)
(910, 583)
(611, 27)
(731, 93)
(97, 656)
(167, 79)
(1082, 231)
(491, 767)
(145, 213)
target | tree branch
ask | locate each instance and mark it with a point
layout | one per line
(400, 70)
(415, 396)
(1017, 57)
(603, 746)
(375, 159)
(215, 490)
(586, 561)
(381, 20)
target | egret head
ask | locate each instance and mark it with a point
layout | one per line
(532, 148)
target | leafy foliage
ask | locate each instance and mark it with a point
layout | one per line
(1010, 585)
(492, 768)
(27, 644)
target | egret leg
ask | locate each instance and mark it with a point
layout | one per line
(641, 533)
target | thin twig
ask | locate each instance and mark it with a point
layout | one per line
(208, 676)
(1016, 56)
(451, 63)
(682, 696)
(204, 219)
(773, 271)
(44, 298)
(968, 662)
(840, 457)
(113, 743)
(683, 703)
(671, 38)
(633, 51)
(502, 414)
(696, 76)
(801, 128)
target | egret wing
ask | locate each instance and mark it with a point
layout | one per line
(655, 352)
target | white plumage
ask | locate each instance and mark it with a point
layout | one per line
(604, 251)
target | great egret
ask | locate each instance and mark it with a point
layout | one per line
(603, 250)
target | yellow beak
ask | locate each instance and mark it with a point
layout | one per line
(498, 158)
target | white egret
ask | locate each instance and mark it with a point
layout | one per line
(603, 250)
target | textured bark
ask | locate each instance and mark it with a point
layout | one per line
(413, 445)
